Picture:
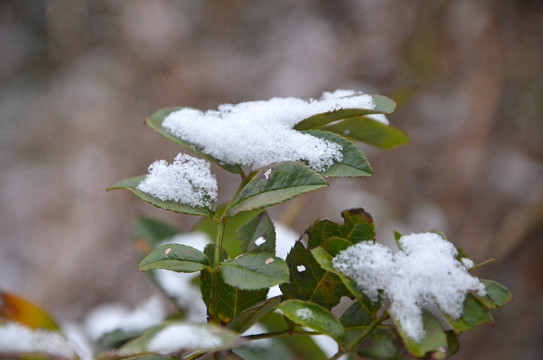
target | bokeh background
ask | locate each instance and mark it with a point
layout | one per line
(77, 79)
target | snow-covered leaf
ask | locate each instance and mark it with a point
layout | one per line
(131, 184)
(353, 162)
(155, 122)
(434, 343)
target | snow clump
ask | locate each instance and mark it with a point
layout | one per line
(259, 133)
(187, 180)
(425, 272)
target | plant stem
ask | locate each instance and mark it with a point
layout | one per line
(214, 298)
(361, 337)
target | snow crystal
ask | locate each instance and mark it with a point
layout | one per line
(425, 272)
(184, 336)
(468, 263)
(187, 180)
(304, 314)
(15, 338)
(259, 133)
(110, 317)
(260, 241)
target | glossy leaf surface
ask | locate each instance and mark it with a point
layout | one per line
(253, 314)
(496, 296)
(275, 184)
(474, 314)
(434, 343)
(175, 257)
(313, 316)
(369, 131)
(254, 271)
(131, 184)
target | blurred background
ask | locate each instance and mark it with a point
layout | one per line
(77, 79)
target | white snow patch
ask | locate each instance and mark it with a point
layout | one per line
(468, 263)
(259, 133)
(260, 241)
(15, 338)
(425, 272)
(379, 118)
(274, 291)
(187, 180)
(109, 317)
(300, 268)
(285, 238)
(304, 314)
(178, 337)
(327, 345)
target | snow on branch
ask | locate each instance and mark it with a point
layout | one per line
(187, 180)
(425, 272)
(259, 133)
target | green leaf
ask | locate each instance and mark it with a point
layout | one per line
(253, 314)
(273, 349)
(324, 259)
(232, 301)
(369, 131)
(453, 344)
(202, 337)
(148, 233)
(434, 343)
(255, 271)
(257, 229)
(314, 317)
(115, 339)
(148, 357)
(397, 237)
(353, 163)
(230, 241)
(302, 347)
(155, 122)
(309, 281)
(175, 257)
(358, 226)
(355, 316)
(22, 311)
(382, 105)
(380, 344)
(474, 314)
(132, 185)
(273, 185)
(496, 296)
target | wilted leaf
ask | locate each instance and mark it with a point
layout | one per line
(175, 257)
(22, 311)
(309, 281)
(155, 122)
(255, 271)
(273, 185)
(313, 316)
(353, 163)
(131, 184)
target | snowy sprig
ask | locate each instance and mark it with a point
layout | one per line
(425, 272)
(259, 133)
